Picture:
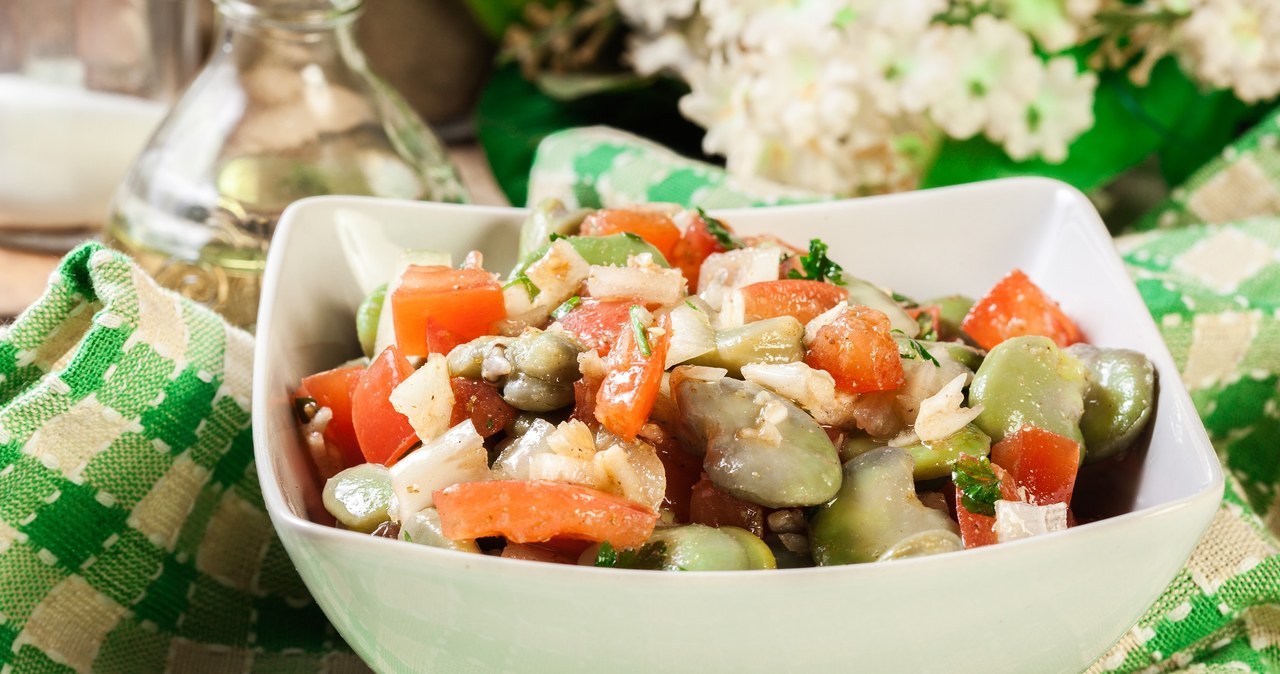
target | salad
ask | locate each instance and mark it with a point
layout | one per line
(647, 389)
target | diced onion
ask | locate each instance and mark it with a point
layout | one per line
(651, 285)
(425, 398)
(821, 320)
(691, 334)
(722, 272)
(557, 276)
(943, 413)
(513, 462)
(1015, 519)
(457, 456)
(810, 388)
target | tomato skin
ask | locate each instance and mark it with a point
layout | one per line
(333, 389)
(536, 511)
(596, 323)
(683, 470)
(714, 508)
(1017, 307)
(696, 244)
(800, 298)
(859, 352)
(632, 382)
(1042, 463)
(437, 308)
(978, 530)
(480, 402)
(654, 227)
(385, 434)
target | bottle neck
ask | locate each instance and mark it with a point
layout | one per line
(251, 31)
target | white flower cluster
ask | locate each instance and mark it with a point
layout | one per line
(1233, 44)
(851, 96)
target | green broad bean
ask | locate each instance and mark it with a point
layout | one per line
(696, 547)
(613, 250)
(544, 368)
(367, 316)
(1029, 380)
(868, 295)
(934, 459)
(360, 497)
(549, 217)
(773, 340)
(877, 516)
(467, 360)
(757, 445)
(964, 354)
(1118, 401)
(423, 528)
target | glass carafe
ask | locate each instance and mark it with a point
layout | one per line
(285, 108)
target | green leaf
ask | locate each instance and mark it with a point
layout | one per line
(637, 326)
(978, 484)
(564, 309)
(1130, 123)
(817, 266)
(717, 229)
(529, 287)
(648, 556)
(514, 115)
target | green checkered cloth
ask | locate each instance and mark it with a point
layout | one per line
(1208, 266)
(133, 536)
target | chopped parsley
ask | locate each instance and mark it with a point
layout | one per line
(564, 309)
(691, 305)
(817, 266)
(407, 537)
(637, 326)
(717, 229)
(529, 287)
(914, 350)
(925, 320)
(556, 236)
(978, 484)
(648, 556)
(905, 301)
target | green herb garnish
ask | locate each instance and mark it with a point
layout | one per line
(637, 326)
(648, 556)
(529, 287)
(905, 301)
(564, 309)
(914, 350)
(691, 305)
(556, 236)
(717, 229)
(925, 321)
(978, 484)
(817, 266)
(407, 537)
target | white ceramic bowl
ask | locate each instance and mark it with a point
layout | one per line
(1047, 604)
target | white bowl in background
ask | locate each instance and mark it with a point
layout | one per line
(1047, 604)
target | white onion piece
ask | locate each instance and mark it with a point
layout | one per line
(943, 413)
(513, 462)
(455, 457)
(425, 398)
(557, 275)
(691, 334)
(722, 273)
(649, 284)
(1015, 519)
(821, 320)
(810, 388)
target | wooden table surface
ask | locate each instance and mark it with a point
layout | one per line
(23, 275)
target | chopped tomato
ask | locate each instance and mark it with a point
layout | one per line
(540, 510)
(977, 530)
(596, 323)
(1042, 463)
(332, 389)
(541, 552)
(683, 470)
(479, 401)
(934, 312)
(1017, 307)
(631, 384)
(714, 508)
(655, 227)
(437, 308)
(696, 244)
(585, 391)
(859, 351)
(790, 297)
(385, 434)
